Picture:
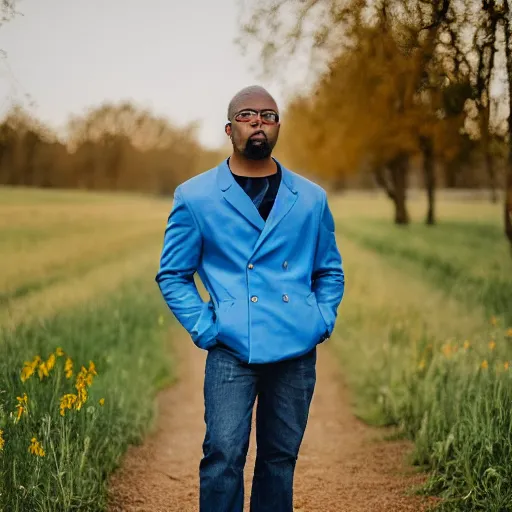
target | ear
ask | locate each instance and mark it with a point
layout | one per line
(227, 129)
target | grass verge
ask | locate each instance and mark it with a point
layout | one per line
(58, 451)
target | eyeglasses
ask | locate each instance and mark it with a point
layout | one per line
(249, 115)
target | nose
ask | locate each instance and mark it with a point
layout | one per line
(257, 120)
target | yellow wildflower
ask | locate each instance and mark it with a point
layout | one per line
(59, 352)
(509, 332)
(102, 401)
(36, 448)
(494, 320)
(43, 371)
(51, 362)
(506, 365)
(466, 345)
(82, 397)
(92, 368)
(68, 368)
(21, 406)
(2, 440)
(421, 364)
(492, 345)
(484, 364)
(66, 402)
(26, 371)
(447, 350)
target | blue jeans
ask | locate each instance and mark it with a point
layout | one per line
(284, 392)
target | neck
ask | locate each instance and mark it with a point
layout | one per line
(244, 167)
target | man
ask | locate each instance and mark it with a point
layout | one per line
(261, 238)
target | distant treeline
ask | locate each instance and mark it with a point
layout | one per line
(112, 147)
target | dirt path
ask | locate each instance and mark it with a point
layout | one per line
(343, 465)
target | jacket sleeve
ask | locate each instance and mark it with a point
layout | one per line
(180, 257)
(328, 276)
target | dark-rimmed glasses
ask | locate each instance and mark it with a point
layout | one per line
(249, 115)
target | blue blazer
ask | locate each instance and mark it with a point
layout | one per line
(274, 286)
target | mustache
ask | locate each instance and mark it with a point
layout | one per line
(260, 132)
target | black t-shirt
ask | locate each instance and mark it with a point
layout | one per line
(253, 186)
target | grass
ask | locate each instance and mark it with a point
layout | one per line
(85, 295)
(424, 337)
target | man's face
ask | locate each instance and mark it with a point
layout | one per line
(254, 127)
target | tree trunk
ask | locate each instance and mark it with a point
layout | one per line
(491, 172)
(508, 169)
(427, 147)
(398, 170)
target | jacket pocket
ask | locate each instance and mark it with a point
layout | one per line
(311, 300)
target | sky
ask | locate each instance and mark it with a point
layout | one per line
(176, 57)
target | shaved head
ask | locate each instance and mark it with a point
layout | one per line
(242, 99)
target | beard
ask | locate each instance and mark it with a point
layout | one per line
(257, 150)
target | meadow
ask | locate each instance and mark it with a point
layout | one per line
(84, 342)
(423, 336)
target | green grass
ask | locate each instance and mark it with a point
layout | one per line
(420, 351)
(125, 337)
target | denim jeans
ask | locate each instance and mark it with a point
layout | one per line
(284, 390)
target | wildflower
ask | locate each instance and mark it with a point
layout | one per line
(494, 320)
(102, 401)
(447, 350)
(43, 371)
(21, 406)
(68, 368)
(466, 345)
(492, 345)
(484, 364)
(36, 448)
(59, 352)
(67, 402)
(51, 362)
(29, 368)
(2, 440)
(506, 365)
(26, 371)
(82, 398)
(421, 365)
(509, 332)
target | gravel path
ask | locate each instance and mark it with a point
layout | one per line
(343, 464)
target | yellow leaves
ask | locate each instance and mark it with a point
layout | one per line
(2, 440)
(36, 448)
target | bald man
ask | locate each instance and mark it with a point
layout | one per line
(261, 237)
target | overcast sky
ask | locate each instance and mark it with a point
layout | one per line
(176, 57)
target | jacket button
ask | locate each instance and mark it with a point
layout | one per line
(254, 298)
(285, 297)
(250, 266)
(285, 264)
